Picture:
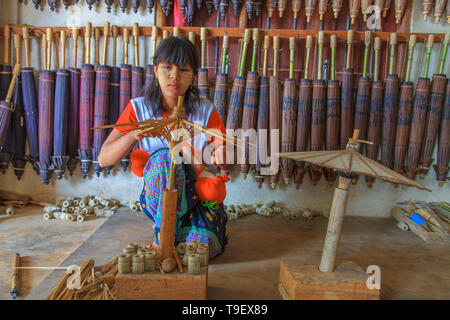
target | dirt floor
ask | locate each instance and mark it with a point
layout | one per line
(249, 267)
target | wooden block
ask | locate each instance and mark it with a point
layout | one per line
(306, 282)
(158, 286)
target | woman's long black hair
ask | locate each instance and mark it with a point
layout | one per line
(178, 51)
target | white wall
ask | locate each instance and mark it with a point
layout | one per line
(124, 186)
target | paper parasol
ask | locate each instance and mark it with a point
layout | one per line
(347, 162)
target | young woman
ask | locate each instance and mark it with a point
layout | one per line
(175, 68)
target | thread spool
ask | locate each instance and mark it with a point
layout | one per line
(203, 252)
(87, 210)
(115, 208)
(80, 218)
(133, 245)
(134, 207)
(402, 226)
(65, 210)
(75, 202)
(58, 215)
(77, 212)
(48, 216)
(190, 249)
(194, 264)
(150, 261)
(181, 248)
(195, 244)
(67, 203)
(93, 202)
(70, 217)
(124, 264)
(84, 202)
(70, 209)
(10, 210)
(51, 209)
(138, 265)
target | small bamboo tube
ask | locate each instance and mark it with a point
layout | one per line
(17, 46)
(354, 10)
(309, 9)
(337, 7)
(138, 265)
(124, 264)
(150, 261)
(386, 7)
(194, 264)
(281, 7)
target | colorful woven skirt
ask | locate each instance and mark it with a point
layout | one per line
(195, 221)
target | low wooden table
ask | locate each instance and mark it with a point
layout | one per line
(158, 286)
(306, 282)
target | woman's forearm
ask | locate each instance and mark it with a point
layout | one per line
(115, 148)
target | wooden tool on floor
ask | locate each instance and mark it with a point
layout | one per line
(15, 276)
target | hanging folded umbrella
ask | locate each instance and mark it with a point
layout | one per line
(234, 117)
(5, 105)
(109, 4)
(46, 105)
(318, 112)
(209, 7)
(336, 5)
(114, 88)
(289, 116)
(101, 100)
(37, 4)
(263, 120)
(5, 79)
(333, 111)
(61, 114)
(375, 111)
(347, 94)
(274, 108)
(19, 133)
(390, 110)
(362, 104)
(86, 114)
(236, 5)
(427, 8)
(30, 103)
(434, 115)
(346, 162)
(135, 4)
(310, 6)
(74, 108)
(303, 115)
(52, 4)
(149, 72)
(404, 113)
(203, 83)
(386, 7)
(249, 112)
(400, 6)
(419, 114)
(123, 5)
(90, 3)
(443, 154)
(125, 87)
(137, 72)
(221, 90)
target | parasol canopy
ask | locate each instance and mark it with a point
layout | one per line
(350, 161)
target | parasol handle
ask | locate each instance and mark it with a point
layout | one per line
(354, 139)
(97, 45)
(276, 47)
(155, 39)
(26, 40)
(266, 53)
(291, 57)
(7, 39)
(56, 48)
(203, 37)
(105, 41)
(176, 31)
(17, 46)
(165, 34)
(136, 43)
(87, 43)
(126, 41)
(115, 33)
(49, 47)
(12, 84)
(63, 49)
(75, 32)
(192, 37)
(44, 46)
(350, 37)
(15, 276)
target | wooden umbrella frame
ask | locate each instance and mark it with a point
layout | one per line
(176, 121)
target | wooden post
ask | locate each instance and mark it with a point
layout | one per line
(335, 221)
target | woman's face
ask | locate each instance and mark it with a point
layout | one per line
(173, 80)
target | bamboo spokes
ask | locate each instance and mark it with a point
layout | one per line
(132, 124)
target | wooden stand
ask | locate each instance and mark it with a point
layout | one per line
(306, 282)
(157, 286)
